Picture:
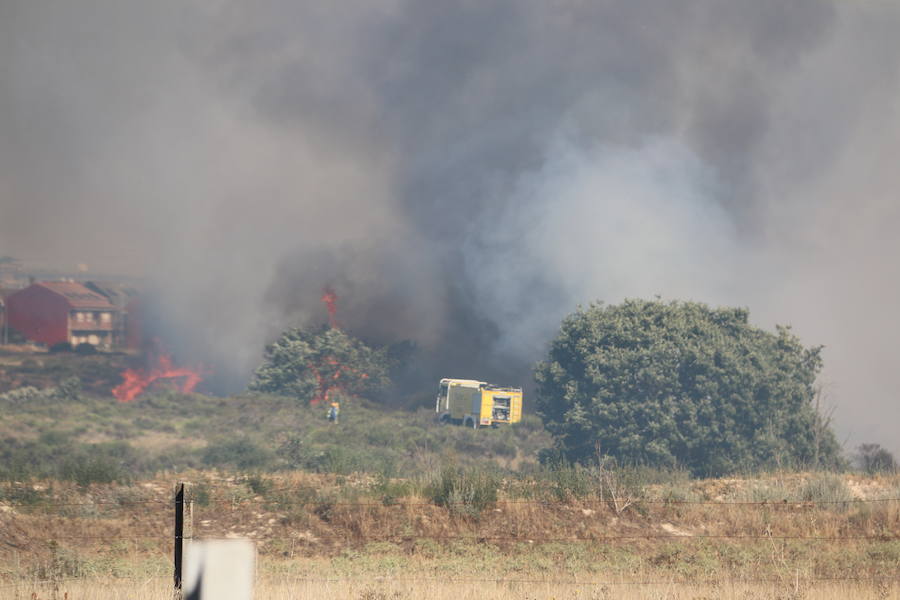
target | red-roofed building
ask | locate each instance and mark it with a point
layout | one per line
(50, 312)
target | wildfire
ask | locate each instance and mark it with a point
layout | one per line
(331, 375)
(329, 297)
(138, 380)
(328, 386)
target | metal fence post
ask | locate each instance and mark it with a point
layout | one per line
(179, 537)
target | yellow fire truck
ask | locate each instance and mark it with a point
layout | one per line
(476, 403)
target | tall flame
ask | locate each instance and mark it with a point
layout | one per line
(135, 381)
(329, 297)
(332, 376)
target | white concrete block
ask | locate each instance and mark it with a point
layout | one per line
(219, 570)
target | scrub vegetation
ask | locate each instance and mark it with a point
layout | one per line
(675, 445)
(579, 530)
(42, 433)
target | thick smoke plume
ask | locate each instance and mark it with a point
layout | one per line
(464, 173)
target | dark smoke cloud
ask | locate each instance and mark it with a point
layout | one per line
(466, 173)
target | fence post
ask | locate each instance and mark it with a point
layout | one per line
(179, 537)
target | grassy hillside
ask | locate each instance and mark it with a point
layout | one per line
(88, 438)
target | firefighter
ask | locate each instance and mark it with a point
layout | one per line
(334, 412)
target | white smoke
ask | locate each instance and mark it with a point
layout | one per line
(602, 223)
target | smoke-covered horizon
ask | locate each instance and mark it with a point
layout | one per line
(464, 174)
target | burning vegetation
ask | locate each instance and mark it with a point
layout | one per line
(320, 366)
(136, 381)
(329, 298)
(334, 383)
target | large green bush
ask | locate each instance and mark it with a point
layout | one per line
(682, 384)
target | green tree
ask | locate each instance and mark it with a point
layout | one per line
(319, 365)
(680, 383)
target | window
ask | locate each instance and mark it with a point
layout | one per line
(106, 318)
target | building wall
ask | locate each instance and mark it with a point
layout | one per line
(134, 334)
(39, 314)
(93, 327)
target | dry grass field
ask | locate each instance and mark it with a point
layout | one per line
(788, 536)
(448, 589)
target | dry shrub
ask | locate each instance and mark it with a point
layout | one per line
(371, 593)
(827, 489)
(464, 492)
(574, 482)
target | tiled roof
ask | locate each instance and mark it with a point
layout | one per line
(77, 295)
(117, 293)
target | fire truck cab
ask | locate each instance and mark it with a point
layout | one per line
(477, 404)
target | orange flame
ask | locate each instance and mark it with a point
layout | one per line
(327, 386)
(138, 380)
(329, 297)
(332, 377)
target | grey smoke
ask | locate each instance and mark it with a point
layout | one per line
(466, 173)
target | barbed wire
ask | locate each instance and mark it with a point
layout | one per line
(597, 538)
(572, 503)
(694, 582)
(47, 503)
(634, 495)
(274, 579)
(575, 502)
(45, 582)
(476, 537)
(400, 504)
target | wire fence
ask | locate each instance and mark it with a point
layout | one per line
(479, 538)
(451, 580)
(407, 536)
(162, 509)
(211, 507)
(788, 503)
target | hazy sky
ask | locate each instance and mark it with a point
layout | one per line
(465, 173)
